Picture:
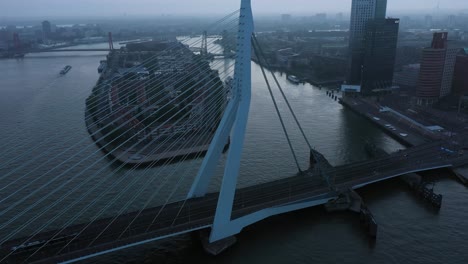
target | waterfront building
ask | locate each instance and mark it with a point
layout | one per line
(437, 67)
(362, 12)
(379, 56)
(449, 67)
(284, 57)
(460, 77)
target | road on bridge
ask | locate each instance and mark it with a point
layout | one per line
(193, 214)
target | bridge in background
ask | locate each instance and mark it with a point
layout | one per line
(227, 212)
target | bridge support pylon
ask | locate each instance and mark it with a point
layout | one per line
(111, 41)
(234, 122)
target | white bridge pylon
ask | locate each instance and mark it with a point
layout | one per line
(234, 123)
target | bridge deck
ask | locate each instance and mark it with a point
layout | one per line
(181, 217)
(64, 50)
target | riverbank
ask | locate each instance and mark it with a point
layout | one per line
(309, 79)
(397, 130)
(133, 156)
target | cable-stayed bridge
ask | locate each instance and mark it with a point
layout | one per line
(145, 123)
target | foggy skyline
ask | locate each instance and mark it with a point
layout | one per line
(61, 8)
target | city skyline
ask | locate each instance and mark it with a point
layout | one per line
(131, 134)
(56, 8)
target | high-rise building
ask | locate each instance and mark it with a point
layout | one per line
(379, 56)
(362, 11)
(449, 67)
(439, 40)
(437, 67)
(372, 46)
(46, 29)
(430, 75)
(460, 76)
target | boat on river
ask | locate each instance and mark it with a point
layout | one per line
(293, 79)
(65, 70)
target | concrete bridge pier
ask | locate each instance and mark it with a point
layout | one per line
(214, 248)
(462, 174)
(352, 201)
(416, 184)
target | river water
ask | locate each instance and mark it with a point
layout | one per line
(42, 122)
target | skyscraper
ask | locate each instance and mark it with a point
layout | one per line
(46, 29)
(362, 11)
(379, 55)
(437, 67)
(460, 76)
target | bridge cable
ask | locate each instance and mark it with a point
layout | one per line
(44, 152)
(56, 177)
(86, 94)
(129, 202)
(276, 106)
(82, 150)
(69, 192)
(282, 92)
(163, 206)
(216, 24)
(46, 142)
(152, 178)
(261, 56)
(149, 200)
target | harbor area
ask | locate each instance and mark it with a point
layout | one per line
(154, 102)
(392, 125)
(155, 153)
(409, 124)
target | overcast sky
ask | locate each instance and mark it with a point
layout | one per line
(44, 8)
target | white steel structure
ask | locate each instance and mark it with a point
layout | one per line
(234, 123)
